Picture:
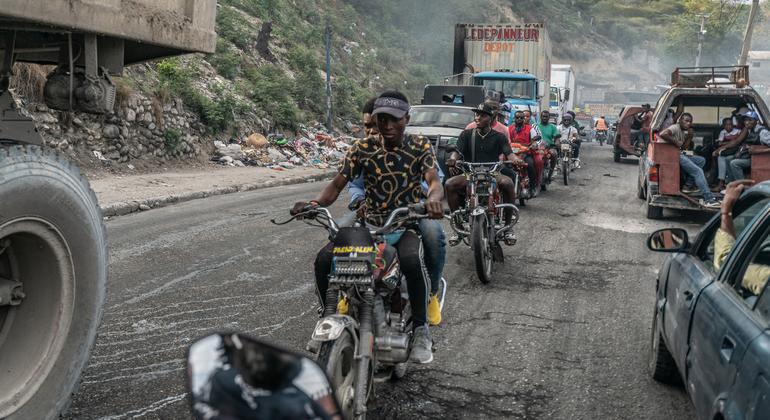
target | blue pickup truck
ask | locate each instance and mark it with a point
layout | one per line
(711, 321)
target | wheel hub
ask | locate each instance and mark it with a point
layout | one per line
(37, 288)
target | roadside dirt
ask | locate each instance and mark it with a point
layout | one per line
(111, 188)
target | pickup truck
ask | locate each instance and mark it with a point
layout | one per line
(710, 94)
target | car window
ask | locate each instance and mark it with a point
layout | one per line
(740, 221)
(762, 307)
(709, 114)
(752, 273)
(441, 117)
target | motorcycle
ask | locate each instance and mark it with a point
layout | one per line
(233, 376)
(601, 136)
(483, 214)
(550, 164)
(521, 182)
(567, 162)
(376, 330)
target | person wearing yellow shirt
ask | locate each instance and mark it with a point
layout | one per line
(756, 275)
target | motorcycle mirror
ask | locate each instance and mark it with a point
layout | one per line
(232, 376)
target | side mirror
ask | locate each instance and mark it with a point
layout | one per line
(233, 376)
(566, 94)
(668, 240)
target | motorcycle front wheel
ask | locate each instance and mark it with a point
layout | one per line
(482, 252)
(565, 171)
(337, 359)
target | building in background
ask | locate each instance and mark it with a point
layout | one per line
(759, 72)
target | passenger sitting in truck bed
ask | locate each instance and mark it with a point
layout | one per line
(680, 135)
(728, 143)
(756, 135)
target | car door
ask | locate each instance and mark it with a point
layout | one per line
(723, 323)
(687, 276)
(750, 396)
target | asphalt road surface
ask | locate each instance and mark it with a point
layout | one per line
(562, 332)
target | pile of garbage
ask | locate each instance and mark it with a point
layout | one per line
(311, 147)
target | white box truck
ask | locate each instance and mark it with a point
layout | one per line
(563, 88)
(514, 59)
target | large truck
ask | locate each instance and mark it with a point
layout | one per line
(53, 249)
(510, 58)
(564, 82)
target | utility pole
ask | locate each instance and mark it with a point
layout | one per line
(329, 111)
(701, 36)
(747, 34)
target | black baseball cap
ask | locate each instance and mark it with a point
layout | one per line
(488, 107)
(391, 106)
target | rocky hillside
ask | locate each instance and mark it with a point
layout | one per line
(268, 72)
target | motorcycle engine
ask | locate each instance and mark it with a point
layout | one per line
(392, 347)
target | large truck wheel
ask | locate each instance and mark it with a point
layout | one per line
(53, 267)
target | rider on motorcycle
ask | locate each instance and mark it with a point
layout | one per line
(489, 145)
(569, 133)
(549, 133)
(433, 237)
(522, 132)
(601, 127)
(393, 166)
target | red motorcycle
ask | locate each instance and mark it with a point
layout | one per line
(521, 182)
(550, 158)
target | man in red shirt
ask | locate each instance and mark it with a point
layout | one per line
(496, 125)
(521, 132)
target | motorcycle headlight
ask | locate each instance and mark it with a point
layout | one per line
(566, 147)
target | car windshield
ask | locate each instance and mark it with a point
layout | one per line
(521, 89)
(440, 117)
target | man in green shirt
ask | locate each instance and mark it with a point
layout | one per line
(549, 133)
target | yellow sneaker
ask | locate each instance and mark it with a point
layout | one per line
(434, 310)
(342, 306)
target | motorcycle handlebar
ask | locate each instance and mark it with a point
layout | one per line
(414, 212)
(474, 166)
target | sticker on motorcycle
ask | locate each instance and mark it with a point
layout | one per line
(351, 249)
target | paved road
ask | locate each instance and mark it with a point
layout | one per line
(561, 333)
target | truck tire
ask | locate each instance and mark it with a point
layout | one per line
(654, 212)
(52, 240)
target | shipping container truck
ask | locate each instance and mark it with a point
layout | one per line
(510, 58)
(563, 79)
(53, 249)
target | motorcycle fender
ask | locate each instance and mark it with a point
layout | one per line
(478, 211)
(330, 328)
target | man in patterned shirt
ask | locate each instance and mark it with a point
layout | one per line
(393, 165)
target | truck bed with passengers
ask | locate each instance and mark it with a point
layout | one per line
(710, 94)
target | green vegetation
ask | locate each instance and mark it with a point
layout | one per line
(177, 77)
(226, 60)
(272, 92)
(403, 44)
(172, 139)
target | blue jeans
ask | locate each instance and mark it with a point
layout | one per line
(738, 166)
(691, 166)
(723, 163)
(434, 244)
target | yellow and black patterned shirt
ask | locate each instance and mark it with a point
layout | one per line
(392, 179)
